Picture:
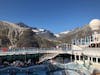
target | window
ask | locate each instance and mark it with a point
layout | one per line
(91, 38)
(98, 60)
(83, 41)
(94, 59)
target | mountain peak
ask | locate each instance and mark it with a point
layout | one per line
(65, 32)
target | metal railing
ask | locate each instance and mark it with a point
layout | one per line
(17, 51)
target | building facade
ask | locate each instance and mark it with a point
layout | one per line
(92, 40)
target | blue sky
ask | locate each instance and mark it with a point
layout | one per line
(54, 15)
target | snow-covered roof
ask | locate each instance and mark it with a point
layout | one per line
(95, 24)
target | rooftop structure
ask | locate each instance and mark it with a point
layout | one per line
(91, 39)
(95, 24)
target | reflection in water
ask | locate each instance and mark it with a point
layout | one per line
(24, 73)
(32, 70)
(65, 72)
(47, 69)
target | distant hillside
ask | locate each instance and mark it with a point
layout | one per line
(21, 35)
(76, 33)
(40, 32)
(89, 29)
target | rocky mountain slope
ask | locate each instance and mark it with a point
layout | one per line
(86, 30)
(76, 33)
(21, 35)
(40, 32)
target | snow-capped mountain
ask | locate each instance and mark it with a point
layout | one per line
(57, 35)
(61, 34)
(65, 32)
(22, 35)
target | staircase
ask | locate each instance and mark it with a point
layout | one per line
(47, 56)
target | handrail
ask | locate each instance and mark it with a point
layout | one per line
(30, 51)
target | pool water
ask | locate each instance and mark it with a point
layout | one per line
(68, 69)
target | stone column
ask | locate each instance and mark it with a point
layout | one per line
(79, 57)
(75, 57)
(88, 58)
(91, 59)
(96, 59)
(71, 58)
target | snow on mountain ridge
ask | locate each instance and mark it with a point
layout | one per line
(61, 33)
(57, 35)
(65, 32)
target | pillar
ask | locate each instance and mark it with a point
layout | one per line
(88, 58)
(75, 57)
(71, 58)
(91, 59)
(79, 57)
(96, 59)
